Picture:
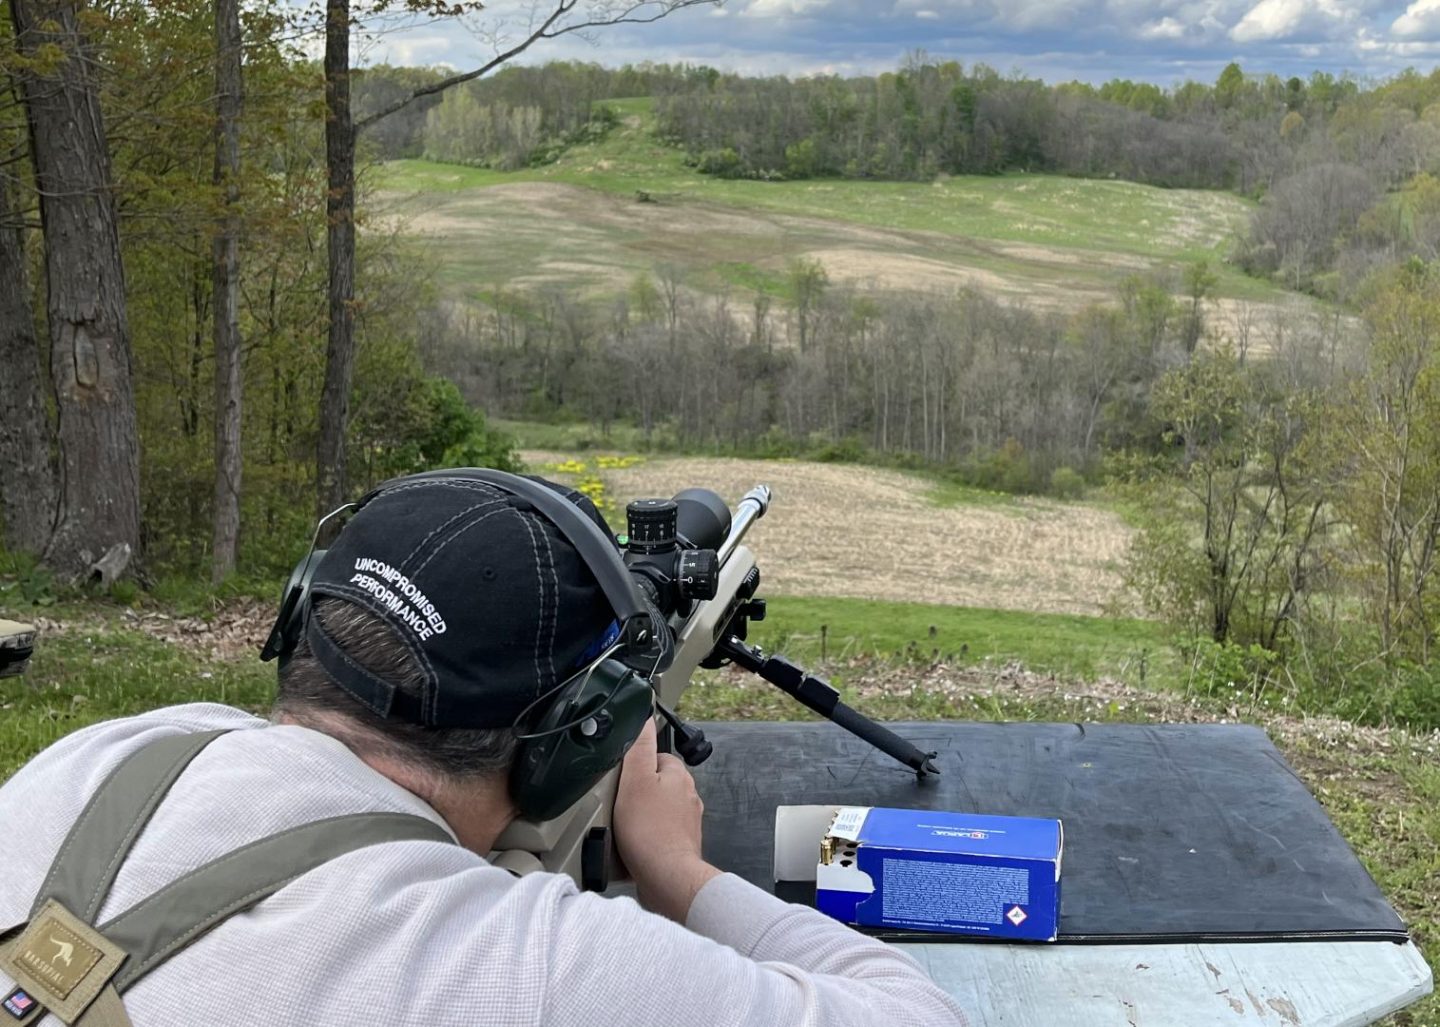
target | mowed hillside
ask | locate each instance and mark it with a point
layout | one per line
(580, 223)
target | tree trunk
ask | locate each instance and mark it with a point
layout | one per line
(340, 241)
(99, 487)
(27, 498)
(226, 287)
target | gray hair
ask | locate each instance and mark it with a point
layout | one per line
(308, 696)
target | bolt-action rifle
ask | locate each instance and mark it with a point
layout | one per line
(688, 557)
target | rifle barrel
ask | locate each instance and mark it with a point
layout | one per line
(750, 510)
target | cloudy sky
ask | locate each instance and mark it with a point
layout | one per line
(1162, 41)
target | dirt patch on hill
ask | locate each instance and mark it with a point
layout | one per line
(1071, 257)
(841, 530)
(878, 269)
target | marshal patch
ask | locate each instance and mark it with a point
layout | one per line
(60, 962)
(18, 1004)
(56, 955)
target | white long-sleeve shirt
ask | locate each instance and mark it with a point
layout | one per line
(423, 932)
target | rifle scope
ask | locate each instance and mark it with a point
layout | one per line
(670, 547)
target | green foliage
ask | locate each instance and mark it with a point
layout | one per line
(1388, 433)
(124, 592)
(1227, 670)
(723, 162)
(24, 582)
(802, 159)
(497, 123)
(1229, 86)
(806, 280)
(428, 424)
(1067, 483)
(849, 450)
(1199, 282)
(1008, 468)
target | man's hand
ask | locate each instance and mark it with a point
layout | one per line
(657, 828)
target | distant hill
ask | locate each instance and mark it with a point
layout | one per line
(610, 210)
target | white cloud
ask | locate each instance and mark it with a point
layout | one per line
(1165, 28)
(1421, 20)
(1270, 19)
(927, 14)
(783, 8)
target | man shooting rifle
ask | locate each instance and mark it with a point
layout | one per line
(464, 655)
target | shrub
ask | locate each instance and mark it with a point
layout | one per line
(1066, 483)
(722, 163)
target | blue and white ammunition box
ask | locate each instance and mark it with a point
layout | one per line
(935, 871)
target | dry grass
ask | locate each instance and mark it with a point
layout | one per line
(841, 530)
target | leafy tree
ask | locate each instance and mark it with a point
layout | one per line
(1230, 86)
(1234, 544)
(1388, 435)
(1200, 284)
(807, 281)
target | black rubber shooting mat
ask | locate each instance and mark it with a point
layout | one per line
(1176, 832)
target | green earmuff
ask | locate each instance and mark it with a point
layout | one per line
(577, 738)
(294, 605)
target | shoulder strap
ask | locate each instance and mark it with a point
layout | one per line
(106, 830)
(156, 928)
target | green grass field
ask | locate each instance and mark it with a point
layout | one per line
(1059, 242)
(101, 666)
(1114, 216)
(1073, 647)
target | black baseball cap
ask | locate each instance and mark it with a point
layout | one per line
(493, 601)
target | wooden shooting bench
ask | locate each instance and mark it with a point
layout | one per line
(1201, 884)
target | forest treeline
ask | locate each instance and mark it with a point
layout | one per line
(1008, 397)
(1242, 132)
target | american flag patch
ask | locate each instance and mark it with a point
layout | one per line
(17, 1003)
